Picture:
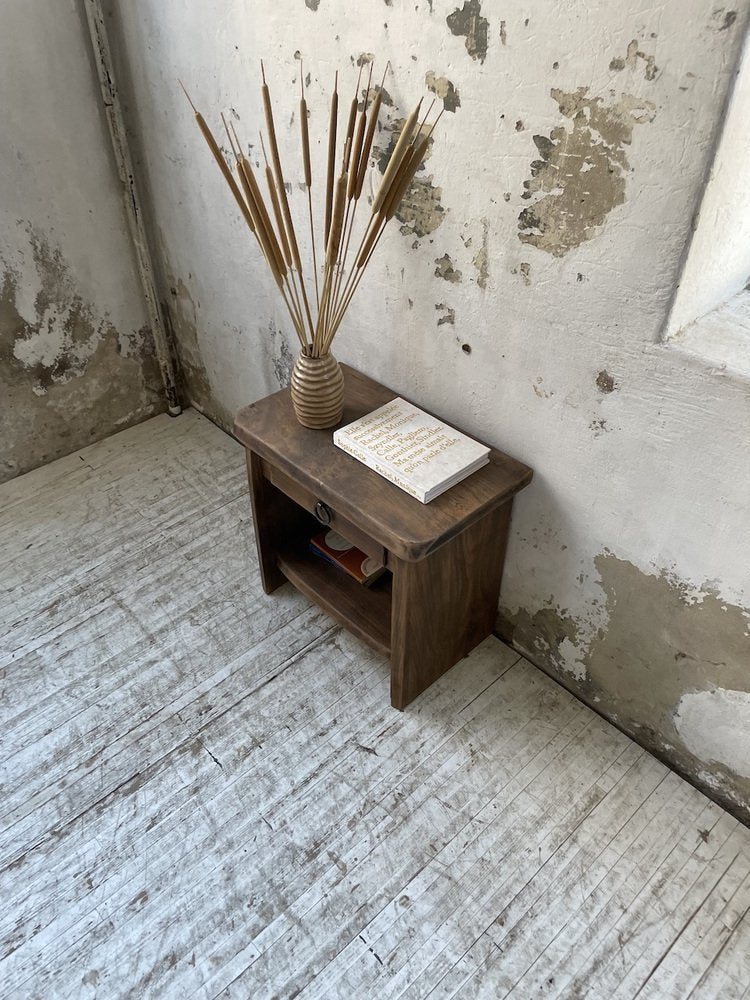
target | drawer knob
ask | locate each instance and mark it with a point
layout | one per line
(323, 512)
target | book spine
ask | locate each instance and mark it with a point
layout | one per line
(382, 470)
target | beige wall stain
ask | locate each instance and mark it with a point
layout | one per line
(442, 87)
(660, 640)
(580, 175)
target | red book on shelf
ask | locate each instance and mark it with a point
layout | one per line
(334, 548)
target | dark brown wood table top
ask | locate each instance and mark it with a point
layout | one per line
(407, 528)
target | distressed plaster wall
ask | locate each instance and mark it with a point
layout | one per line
(523, 295)
(76, 355)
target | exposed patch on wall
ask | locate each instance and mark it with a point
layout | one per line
(420, 211)
(446, 270)
(467, 22)
(543, 635)
(386, 99)
(605, 382)
(632, 59)
(442, 87)
(365, 57)
(67, 376)
(599, 427)
(581, 172)
(312, 4)
(721, 19)
(539, 390)
(525, 268)
(481, 258)
(682, 642)
(449, 315)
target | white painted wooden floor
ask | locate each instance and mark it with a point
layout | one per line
(205, 792)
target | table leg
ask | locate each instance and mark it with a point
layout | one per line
(269, 522)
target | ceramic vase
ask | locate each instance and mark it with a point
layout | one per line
(317, 388)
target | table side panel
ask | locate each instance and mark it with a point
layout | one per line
(446, 604)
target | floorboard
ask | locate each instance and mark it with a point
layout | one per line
(206, 793)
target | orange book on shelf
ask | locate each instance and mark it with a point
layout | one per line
(336, 549)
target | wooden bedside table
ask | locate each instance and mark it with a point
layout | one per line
(445, 559)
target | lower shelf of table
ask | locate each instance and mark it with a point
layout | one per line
(365, 611)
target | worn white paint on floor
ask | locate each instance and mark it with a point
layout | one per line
(205, 792)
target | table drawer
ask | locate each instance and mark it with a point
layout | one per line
(310, 502)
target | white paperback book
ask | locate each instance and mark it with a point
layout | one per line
(415, 451)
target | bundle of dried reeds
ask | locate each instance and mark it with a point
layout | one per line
(337, 276)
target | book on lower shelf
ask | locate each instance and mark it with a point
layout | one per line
(336, 549)
(412, 449)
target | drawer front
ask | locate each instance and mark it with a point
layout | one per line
(310, 502)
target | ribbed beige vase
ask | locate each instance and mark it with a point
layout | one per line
(317, 388)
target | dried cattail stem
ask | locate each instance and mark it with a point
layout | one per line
(396, 158)
(278, 217)
(369, 240)
(369, 136)
(305, 142)
(223, 166)
(349, 134)
(279, 175)
(416, 155)
(334, 237)
(268, 241)
(330, 175)
(358, 141)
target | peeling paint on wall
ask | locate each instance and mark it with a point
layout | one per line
(449, 315)
(67, 376)
(446, 270)
(469, 23)
(631, 61)
(581, 172)
(442, 87)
